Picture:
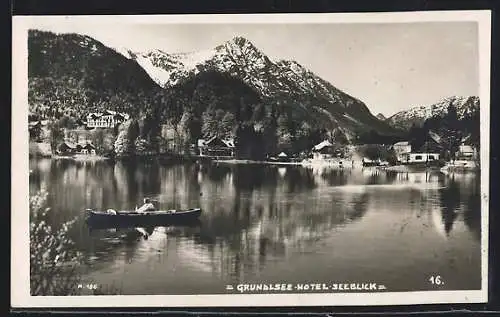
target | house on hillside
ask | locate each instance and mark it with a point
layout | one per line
(401, 149)
(323, 151)
(216, 146)
(88, 148)
(466, 150)
(414, 158)
(66, 148)
(107, 119)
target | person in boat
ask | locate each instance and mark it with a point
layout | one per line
(111, 212)
(148, 206)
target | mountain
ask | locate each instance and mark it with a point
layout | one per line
(273, 80)
(381, 117)
(231, 90)
(72, 74)
(465, 105)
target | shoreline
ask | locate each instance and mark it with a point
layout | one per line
(316, 164)
(81, 158)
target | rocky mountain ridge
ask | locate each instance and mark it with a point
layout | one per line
(465, 105)
(270, 78)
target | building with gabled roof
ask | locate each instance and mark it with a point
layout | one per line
(66, 148)
(466, 150)
(323, 150)
(216, 146)
(323, 146)
(106, 119)
(401, 149)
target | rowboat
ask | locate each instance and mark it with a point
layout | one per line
(113, 218)
(460, 166)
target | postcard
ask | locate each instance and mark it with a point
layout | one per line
(250, 160)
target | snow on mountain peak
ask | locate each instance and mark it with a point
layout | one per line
(292, 65)
(240, 58)
(191, 60)
(238, 41)
(237, 51)
(418, 114)
(123, 51)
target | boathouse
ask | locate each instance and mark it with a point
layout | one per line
(283, 157)
(88, 148)
(216, 146)
(66, 148)
(323, 150)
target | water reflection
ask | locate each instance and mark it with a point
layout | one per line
(256, 217)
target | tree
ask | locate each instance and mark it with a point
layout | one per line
(269, 132)
(246, 110)
(56, 135)
(246, 140)
(35, 133)
(316, 136)
(471, 126)
(173, 115)
(340, 137)
(451, 118)
(228, 123)
(53, 259)
(67, 122)
(259, 113)
(285, 142)
(125, 141)
(282, 124)
(417, 137)
(209, 122)
(186, 127)
(98, 140)
(374, 152)
(141, 146)
(451, 131)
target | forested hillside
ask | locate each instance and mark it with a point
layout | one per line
(71, 75)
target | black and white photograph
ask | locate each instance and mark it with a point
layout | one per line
(261, 160)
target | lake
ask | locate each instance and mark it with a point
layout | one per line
(270, 224)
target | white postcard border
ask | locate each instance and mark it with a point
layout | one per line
(20, 295)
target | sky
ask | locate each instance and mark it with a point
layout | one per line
(390, 67)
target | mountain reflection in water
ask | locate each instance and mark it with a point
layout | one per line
(269, 223)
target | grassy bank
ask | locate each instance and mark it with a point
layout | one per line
(81, 157)
(39, 149)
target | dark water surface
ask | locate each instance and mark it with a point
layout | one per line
(271, 224)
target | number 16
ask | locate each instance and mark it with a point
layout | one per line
(436, 280)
